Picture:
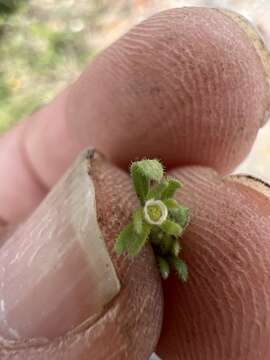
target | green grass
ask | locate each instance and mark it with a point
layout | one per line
(44, 46)
(42, 50)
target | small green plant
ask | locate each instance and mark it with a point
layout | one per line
(160, 219)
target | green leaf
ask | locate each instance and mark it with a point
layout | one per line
(164, 267)
(180, 215)
(171, 203)
(156, 235)
(138, 240)
(181, 268)
(142, 172)
(157, 191)
(147, 176)
(165, 247)
(138, 220)
(171, 228)
(123, 239)
(151, 169)
(176, 247)
(173, 185)
(141, 185)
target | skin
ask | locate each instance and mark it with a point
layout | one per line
(121, 321)
(196, 86)
(201, 104)
(176, 83)
(221, 312)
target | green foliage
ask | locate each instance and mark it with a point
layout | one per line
(171, 228)
(164, 267)
(4, 88)
(43, 47)
(171, 204)
(173, 186)
(142, 172)
(8, 7)
(122, 240)
(150, 169)
(137, 241)
(180, 267)
(160, 219)
(176, 248)
(131, 241)
(157, 191)
(138, 220)
(180, 215)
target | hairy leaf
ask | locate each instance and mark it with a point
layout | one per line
(151, 169)
(156, 236)
(141, 185)
(164, 267)
(165, 247)
(171, 203)
(171, 189)
(180, 215)
(181, 268)
(176, 247)
(138, 240)
(123, 239)
(138, 220)
(171, 228)
(157, 191)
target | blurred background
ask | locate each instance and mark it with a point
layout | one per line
(44, 45)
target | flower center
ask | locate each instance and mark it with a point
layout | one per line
(155, 212)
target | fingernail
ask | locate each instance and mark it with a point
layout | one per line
(55, 270)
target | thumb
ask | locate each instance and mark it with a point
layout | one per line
(62, 295)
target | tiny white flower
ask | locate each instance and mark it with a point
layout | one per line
(155, 212)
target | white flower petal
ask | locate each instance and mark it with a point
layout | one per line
(162, 207)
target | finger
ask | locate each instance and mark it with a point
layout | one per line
(171, 89)
(186, 86)
(222, 311)
(62, 295)
(20, 189)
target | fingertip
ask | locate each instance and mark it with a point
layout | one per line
(61, 293)
(227, 250)
(186, 86)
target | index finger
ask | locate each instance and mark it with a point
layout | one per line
(186, 86)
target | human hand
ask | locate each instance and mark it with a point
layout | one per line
(186, 86)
